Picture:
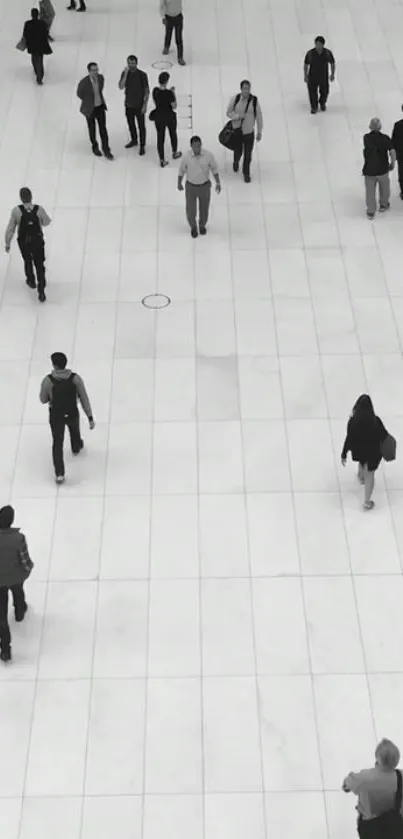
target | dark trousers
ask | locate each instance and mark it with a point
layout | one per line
(245, 148)
(133, 115)
(58, 426)
(197, 194)
(318, 90)
(400, 172)
(98, 116)
(174, 23)
(34, 256)
(37, 63)
(161, 126)
(19, 609)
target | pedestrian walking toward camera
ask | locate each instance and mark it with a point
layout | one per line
(36, 37)
(15, 567)
(164, 116)
(48, 14)
(365, 435)
(73, 6)
(379, 792)
(93, 107)
(172, 18)
(316, 74)
(61, 389)
(379, 160)
(29, 219)
(397, 143)
(134, 82)
(245, 112)
(197, 164)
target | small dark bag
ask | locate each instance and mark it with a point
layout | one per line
(388, 825)
(388, 448)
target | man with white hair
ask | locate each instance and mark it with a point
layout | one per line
(379, 160)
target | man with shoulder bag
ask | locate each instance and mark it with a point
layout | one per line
(245, 112)
(15, 567)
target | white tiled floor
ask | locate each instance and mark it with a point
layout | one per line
(215, 633)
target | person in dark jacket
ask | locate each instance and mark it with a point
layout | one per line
(165, 117)
(135, 84)
(379, 160)
(36, 35)
(397, 143)
(15, 566)
(93, 107)
(316, 73)
(365, 433)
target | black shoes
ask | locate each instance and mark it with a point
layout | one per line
(203, 230)
(73, 5)
(194, 234)
(181, 61)
(176, 155)
(31, 283)
(314, 110)
(131, 144)
(20, 616)
(246, 179)
(109, 155)
(323, 107)
(5, 655)
(384, 209)
(97, 152)
(42, 297)
(142, 150)
(235, 167)
(80, 449)
(163, 163)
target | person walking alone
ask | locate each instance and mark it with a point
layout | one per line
(48, 14)
(165, 117)
(93, 107)
(60, 390)
(365, 434)
(15, 567)
(379, 160)
(316, 73)
(245, 112)
(29, 218)
(197, 164)
(36, 36)
(172, 18)
(134, 82)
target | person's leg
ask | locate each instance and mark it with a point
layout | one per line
(323, 92)
(39, 262)
(178, 23)
(369, 483)
(101, 119)
(238, 151)
(360, 474)
(204, 204)
(131, 122)
(248, 142)
(173, 134)
(161, 126)
(169, 26)
(28, 265)
(400, 173)
(384, 191)
(191, 204)
(41, 70)
(57, 425)
(5, 636)
(20, 604)
(73, 424)
(141, 122)
(370, 196)
(92, 131)
(313, 94)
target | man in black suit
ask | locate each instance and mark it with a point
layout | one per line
(93, 106)
(36, 36)
(397, 143)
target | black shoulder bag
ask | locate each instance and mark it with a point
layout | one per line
(388, 825)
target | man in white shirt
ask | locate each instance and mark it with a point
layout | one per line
(172, 18)
(197, 164)
(29, 218)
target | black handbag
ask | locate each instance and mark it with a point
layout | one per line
(388, 448)
(151, 115)
(230, 136)
(388, 825)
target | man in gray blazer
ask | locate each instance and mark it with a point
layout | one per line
(93, 106)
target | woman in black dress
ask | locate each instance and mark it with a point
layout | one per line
(165, 117)
(365, 433)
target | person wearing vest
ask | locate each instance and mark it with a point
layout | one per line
(29, 219)
(15, 567)
(134, 82)
(60, 390)
(245, 112)
(172, 18)
(93, 107)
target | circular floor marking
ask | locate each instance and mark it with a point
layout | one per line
(162, 65)
(156, 301)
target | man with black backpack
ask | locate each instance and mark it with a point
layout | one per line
(30, 218)
(244, 110)
(61, 389)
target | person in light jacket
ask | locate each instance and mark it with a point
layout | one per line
(245, 112)
(15, 567)
(365, 433)
(376, 789)
(47, 13)
(93, 107)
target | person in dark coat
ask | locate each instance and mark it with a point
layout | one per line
(15, 566)
(365, 434)
(93, 107)
(36, 36)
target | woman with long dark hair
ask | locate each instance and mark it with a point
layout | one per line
(365, 434)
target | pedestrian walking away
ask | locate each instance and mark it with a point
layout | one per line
(379, 793)
(73, 5)
(172, 18)
(316, 74)
(379, 160)
(245, 112)
(134, 82)
(197, 164)
(29, 219)
(397, 143)
(164, 117)
(61, 389)
(93, 107)
(36, 37)
(15, 567)
(364, 438)
(48, 14)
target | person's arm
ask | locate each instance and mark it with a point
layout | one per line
(84, 398)
(11, 228)
(122, 80)
(231, 114)
(24, 557)
(215, 173)
(163, 8)
(146, 93)
(352, 782)
(45, 391)
(173, 101)
(43, 217)
(347, 443)
(80, 92)
(392, 156)
(332, 66)
(307, 62)
(259, 121)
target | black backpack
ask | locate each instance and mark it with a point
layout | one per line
(64, 396)
(254, 100)
(29, 231)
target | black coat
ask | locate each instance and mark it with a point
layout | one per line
(36, 34)
(12, 570)
(364, 440)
